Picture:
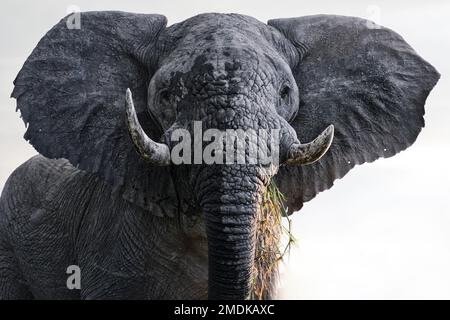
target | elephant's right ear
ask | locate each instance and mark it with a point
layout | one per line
(71, 94)
(362, 78)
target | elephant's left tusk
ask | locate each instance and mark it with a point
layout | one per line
(311, 152)
(152, 152)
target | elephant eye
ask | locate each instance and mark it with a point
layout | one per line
(164, 96)
(284, 92)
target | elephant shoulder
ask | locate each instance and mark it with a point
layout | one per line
(39, 166)
(33, 192)
(36, 177)
(40, 211)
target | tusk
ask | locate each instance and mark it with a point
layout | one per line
(152, 152)
(311, 152)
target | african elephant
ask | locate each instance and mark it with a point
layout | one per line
(104, 194)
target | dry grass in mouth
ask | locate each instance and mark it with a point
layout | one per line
(268, 236)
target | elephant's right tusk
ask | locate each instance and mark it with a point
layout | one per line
(300, 154)
(152, 152)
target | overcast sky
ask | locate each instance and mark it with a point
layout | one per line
(383, 230)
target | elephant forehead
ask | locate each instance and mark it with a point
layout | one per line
(218, 70)
(221, 39)
(219, 27)
(210, 81)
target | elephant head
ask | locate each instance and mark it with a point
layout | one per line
(305, 78)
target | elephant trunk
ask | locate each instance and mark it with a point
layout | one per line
(230, 199)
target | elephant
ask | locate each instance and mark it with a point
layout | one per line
(101, 103)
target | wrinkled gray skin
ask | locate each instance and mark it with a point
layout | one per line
(143, 231)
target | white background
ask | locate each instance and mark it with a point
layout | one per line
(383, 230)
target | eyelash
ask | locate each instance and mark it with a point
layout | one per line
(164, 95)
(284, 92)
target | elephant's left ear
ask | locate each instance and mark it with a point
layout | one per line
(362, 78)
(71, 94)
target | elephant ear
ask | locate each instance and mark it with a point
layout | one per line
(71, 94)
(364, 79)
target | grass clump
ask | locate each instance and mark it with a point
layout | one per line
(268, 252)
